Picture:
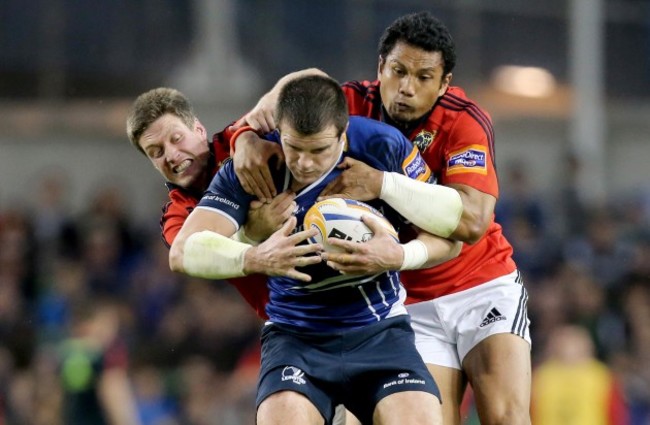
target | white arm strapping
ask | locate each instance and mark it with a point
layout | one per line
(210, 255)
(240, 236)
(416, 255)
(433, 208)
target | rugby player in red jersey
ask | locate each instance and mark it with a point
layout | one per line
(469, 314)
(163, 126)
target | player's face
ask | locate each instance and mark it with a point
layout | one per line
(411, 81)
(310, 157)
(178, 152)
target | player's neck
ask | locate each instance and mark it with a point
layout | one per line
(296, 186)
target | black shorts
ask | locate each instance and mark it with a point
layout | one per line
(356, 368)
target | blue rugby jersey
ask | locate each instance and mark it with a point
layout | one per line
(331, 301)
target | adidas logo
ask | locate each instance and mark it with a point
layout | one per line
(493, 316)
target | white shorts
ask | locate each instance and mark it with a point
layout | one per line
(447, 328)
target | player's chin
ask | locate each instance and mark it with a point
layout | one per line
(305, 180)
(403, 117)
(183, 180)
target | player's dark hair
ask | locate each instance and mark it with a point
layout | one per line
(422, 30)
(151, 105)
(312, 103)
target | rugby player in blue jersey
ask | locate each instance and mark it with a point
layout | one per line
(331, 338)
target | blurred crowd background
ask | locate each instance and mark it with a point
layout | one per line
(86, 295)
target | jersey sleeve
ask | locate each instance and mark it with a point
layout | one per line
(469, 155)
(405, 159)
(226, 196)
(174, 214)
(414, 166)
(383, 147)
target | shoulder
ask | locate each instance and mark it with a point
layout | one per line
(225, 177)
(179, 195)
(370, 127)
(455, 101)
(460, 117)
(175, 211)
(363, 97)
(226, 170)
(376, 143)
(361, 87)
(364, 132)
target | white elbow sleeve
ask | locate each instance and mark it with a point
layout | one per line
(433, 208)
(240, 236)
(210, 255)
(416, 255)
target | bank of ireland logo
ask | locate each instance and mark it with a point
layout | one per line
(294, 374)
(404, 378)
(424, 139)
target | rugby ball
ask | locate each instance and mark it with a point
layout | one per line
(341, 218)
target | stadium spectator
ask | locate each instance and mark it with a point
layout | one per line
(633, 358)
(572, 387)
(93, 368)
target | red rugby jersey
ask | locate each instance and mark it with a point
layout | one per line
(180, 205)
(457, 142)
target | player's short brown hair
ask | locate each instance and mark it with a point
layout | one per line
(155, 103)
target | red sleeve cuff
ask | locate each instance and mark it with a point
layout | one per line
(236, 134)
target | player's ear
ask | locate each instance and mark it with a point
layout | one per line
(380, 65)
(444, 83)
(344, 137)
(200, 129)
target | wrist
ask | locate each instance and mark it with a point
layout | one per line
(249, 263)
(235, 136)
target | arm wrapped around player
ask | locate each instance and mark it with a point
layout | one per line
(428, 250)
(211, 255)
(434, 208)
(383, 252)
